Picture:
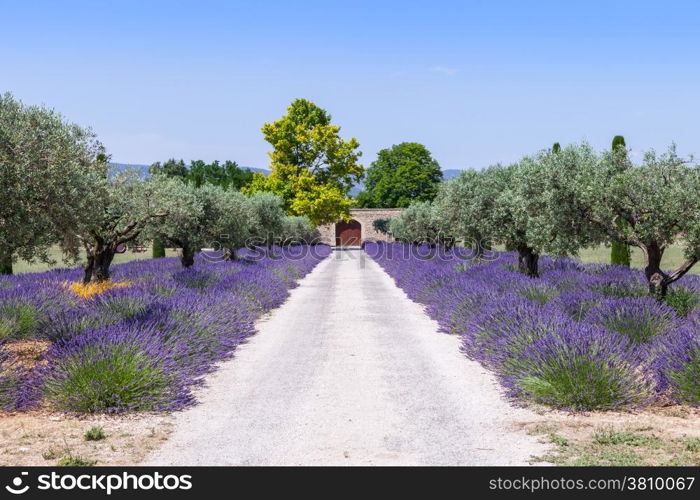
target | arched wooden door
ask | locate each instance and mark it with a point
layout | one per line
(348, 234)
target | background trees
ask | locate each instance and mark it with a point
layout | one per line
(313, 169)
(266, 218)
(401, 174)
(48, 170)
(417, 224)
(227, 175)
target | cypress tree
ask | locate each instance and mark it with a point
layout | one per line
(158, 249)
(619, 251)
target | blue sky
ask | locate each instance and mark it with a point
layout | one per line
(476, 82)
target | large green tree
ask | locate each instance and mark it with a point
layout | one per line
(401, 174)
(313, 168)
(48, 172)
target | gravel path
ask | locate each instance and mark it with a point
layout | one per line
(349, 371)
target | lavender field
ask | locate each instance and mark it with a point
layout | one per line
(579, 337)
(141, 341)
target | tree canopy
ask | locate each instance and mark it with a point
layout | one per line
(401, 174)
(226, 175)
(313, 168)
(49, 168)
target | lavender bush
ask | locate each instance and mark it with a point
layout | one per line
(678, 364)
(144, 345)
(579, 337)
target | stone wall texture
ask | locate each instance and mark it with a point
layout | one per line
(365, 216)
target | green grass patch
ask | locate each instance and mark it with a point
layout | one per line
(95, 434)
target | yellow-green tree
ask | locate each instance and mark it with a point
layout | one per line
(313, 168)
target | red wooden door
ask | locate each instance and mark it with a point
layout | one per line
(348, 234)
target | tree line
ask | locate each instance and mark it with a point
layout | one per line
(56, 189)
(561, 200)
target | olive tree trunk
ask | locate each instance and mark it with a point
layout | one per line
(187, 256)
(5, 262)
(528, 261)
(658, 279)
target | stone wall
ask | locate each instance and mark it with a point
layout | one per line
(365, 216)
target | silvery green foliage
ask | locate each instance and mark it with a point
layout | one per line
(457, 203)
(51, 172)
(552, 187)
(417, 224)
(201, 217)
(186, 221)
(126, 207)
(267, 216)
(658, 201)
(233, 220)
(507, 221)
(298, 229)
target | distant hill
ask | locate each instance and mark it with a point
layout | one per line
(450, 173)
(116, 168)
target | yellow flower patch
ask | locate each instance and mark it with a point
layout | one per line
(87, 291)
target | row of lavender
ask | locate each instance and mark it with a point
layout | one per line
(580, 337)
(147, 339)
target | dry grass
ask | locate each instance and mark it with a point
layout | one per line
(55, 253)
(45, 438)
(654, 436)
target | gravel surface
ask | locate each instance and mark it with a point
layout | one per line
(349, 371)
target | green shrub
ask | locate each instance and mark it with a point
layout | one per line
(76, 461)
(95, 434)
(158, 249)
(683, 300)
(620, 254)
(18, 320)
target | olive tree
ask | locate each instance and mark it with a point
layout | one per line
(460, 205)
(550, 186)
(507, 220)
(650, 206)
(200, 217)
(266, 218)
(297, 229)
(49, 173)
(234, 222)
(186, 222)
(417, 224)
(124, 208)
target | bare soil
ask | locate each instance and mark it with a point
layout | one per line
(45, 438)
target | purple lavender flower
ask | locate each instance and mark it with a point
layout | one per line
(144, 346)
(678, 363)
(115, 369)
(566, 339)
(640, 318)
(581, 367)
